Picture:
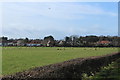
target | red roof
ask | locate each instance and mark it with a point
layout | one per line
(104, 42)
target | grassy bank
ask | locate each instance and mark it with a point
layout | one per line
(110, 72)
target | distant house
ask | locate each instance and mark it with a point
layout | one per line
(12, 43)
(34, 43)
(103, 43)
(20, 42)
(61, 43)
(15, 43)
(48, 41)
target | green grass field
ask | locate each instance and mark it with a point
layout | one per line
(17, 59)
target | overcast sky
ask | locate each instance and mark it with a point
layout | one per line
(59, 19)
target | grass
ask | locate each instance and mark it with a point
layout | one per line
(17, 59)
(110, 72)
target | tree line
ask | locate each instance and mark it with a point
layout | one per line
(70, 41)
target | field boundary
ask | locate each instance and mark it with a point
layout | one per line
(71, 69)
